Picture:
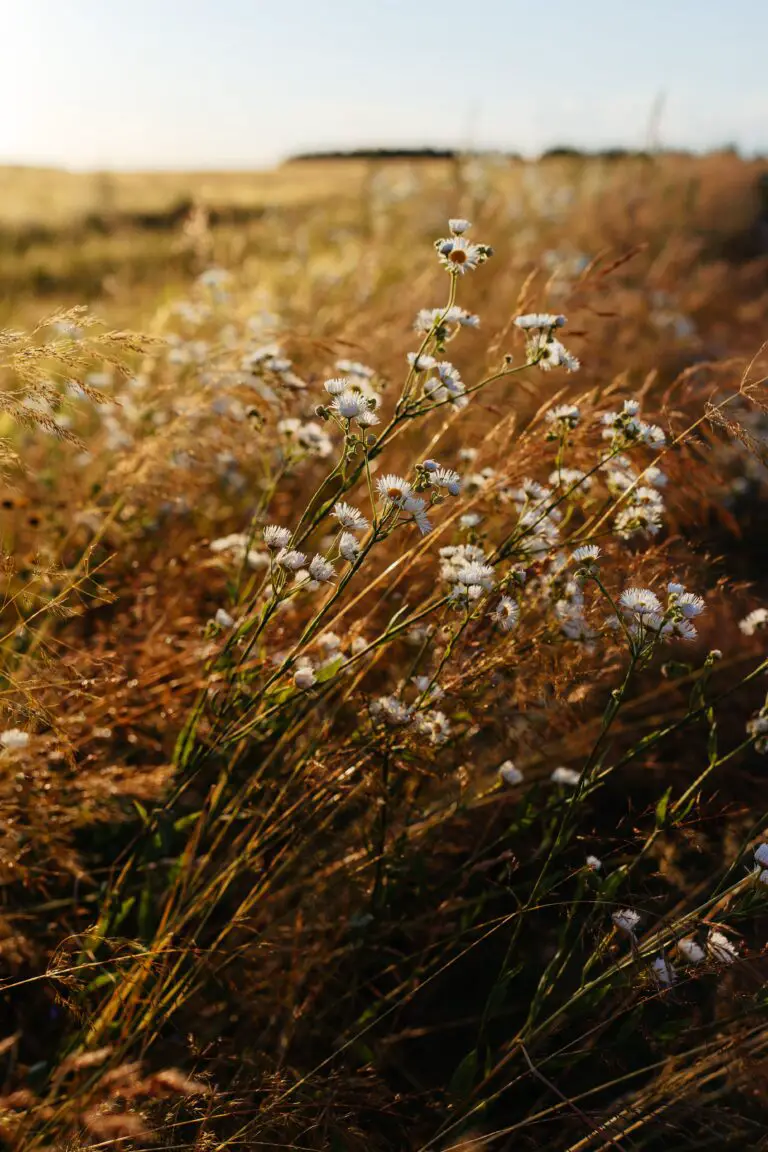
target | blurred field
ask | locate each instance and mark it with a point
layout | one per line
(263, 882)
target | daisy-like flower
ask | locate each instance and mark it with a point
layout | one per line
(458, 225)
(547, 353)
(563, 775)
(626, 920)
(459, 255)
(566, 415)
(539, 320)
(510, 774)
(276, 537)
(293, 559)
(321, 569)
(761, 851)
(757, 728)
(304, 676)
(349, 547)
(223, 618)
(474, 572)
(720, 948)
(594, 863)
(421, 362)
(431, 466)
(757, 619)
(683, 630)
(336, 386)
(354, 406)
(417, 507)
(690, 950)
(448, 479)
(392, 711)
(506, 614)
(349, 517)
(14, 738)
(470, 520)
(587, 552)
(435, 725)
(663, 971)
(439, 319)
(393, 488)
(639, 601)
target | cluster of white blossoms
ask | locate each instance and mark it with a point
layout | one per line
(304, 438)
(757, 729)
(715, 946)
(351, 403)
(647, 619)
(397, 495)
(755, 621)
(563, 418)
(465, 568)
(268, 361)
(392, 712)
(13, 739)
(443, 323)
(457, 253)
(238, 546)
(442, 382)
(542, 348)
(642, 505)
(625, 428)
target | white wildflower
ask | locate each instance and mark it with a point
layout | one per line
(276, 537)
(349, 547)
(690, 950)
(626, 920)
(394, 489)
(14, 738)
(563, 775)
(336, 386)
(663, 971)
(223, 618)
(539, 320)
(304, 676)
(506, 614)
(761, 853)
(458, 225)
(639, 601)
(566, 415)
(757, 619)
(510, 774)
(421, 362)
(585, 552)
(720, 948)
(291, 559)
(355, 406)
(321, 569)
(350, 517)
(392, 711)
(459, 255)
(447, 478)
(594, 863)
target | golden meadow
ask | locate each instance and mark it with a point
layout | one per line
(433, 816)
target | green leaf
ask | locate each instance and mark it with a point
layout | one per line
(661, 809)
(463, 1079)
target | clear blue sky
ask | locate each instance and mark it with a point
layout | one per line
(234, 83)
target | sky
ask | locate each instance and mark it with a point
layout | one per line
(244, 83)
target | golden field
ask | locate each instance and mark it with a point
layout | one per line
(434, 816)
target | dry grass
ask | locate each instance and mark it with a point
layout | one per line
(239, 911)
